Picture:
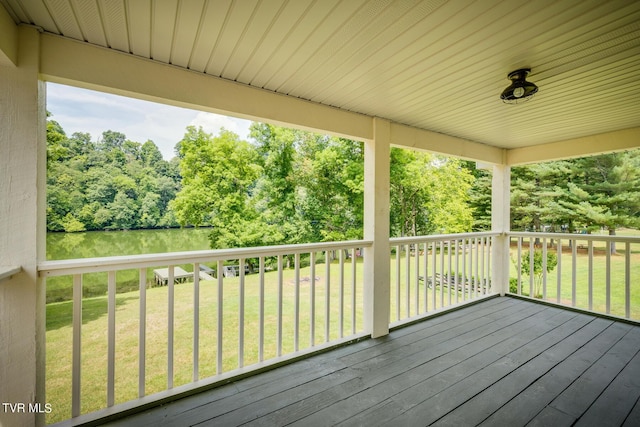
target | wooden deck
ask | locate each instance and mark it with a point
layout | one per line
(502, 362)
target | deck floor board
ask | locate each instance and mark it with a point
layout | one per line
(503, 361)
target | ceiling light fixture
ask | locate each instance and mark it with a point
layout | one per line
(520, 90)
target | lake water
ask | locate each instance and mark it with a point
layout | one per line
(134, 242)
(112, 243)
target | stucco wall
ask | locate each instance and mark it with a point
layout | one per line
(21, 187)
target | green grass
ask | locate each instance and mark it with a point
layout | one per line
(94, 330)
(617, 291)
(94, 333)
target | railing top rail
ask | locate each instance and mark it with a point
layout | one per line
(7, 271)
(575, 236)
(126, 262)
(438, 237)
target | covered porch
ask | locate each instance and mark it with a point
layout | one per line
(420, 75)
(501, 362)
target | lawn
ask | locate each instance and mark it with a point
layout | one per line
(94, 330)
(617, 278)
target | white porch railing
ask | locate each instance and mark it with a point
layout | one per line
(429, 273)
(589, 274)
(244, 323)
(299, 310)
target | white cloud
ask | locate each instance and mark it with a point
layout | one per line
(81, 110)
(212, 123)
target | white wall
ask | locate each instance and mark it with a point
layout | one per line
(22, 169)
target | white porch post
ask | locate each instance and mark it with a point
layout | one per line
(22, 199)
(500, 222)
(376, 228)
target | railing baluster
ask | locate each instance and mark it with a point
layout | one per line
(465, 285)
(312, 299)
(111, 334)
(482, 278)
(354, 261)
(280, 280)
(398, 252)
(466, 266)
(341, 294)
(608, 278)
(196, 321)
(559, 273)
(449, 268)
(77, 346)
(627, 280)
(519, 267)
(488, 286)
(261, 312)
(590, 278)
(296, 322)
(544, 268)
(574, 271)
(407, 275)
(220, 329)
(327, 297)
(531, 267)
(425, 261)
(417, 278)
(433, 275)
(442, 278)
(456, 281)
(170, 328)
(241, 314)
(142, 334)
(475, 275)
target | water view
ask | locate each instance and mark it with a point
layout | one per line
(113, 243)
(134, 242)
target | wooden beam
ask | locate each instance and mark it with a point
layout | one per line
(420, 139)
(8, 39)
(81, 64)
(621, 140)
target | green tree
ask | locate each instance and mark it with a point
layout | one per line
(277, 197)
(538, 268)
(123, 212)
(110, 185)
(429, 194)
(151, 156)
(331, 185)
(218, 178)
(449, 197)
(587, 193)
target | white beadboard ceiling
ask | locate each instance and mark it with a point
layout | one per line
(433, 64)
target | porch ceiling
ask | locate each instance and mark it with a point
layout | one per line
(433, 64)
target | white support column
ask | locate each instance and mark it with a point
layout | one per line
(8, 40)
(376, 228)
(22, 236)
(500, 222)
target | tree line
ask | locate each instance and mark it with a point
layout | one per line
(291, 186)
(109, 184)
(578, 195)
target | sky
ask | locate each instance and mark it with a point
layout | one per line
(81, 110)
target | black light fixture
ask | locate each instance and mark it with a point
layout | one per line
(520, 90)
